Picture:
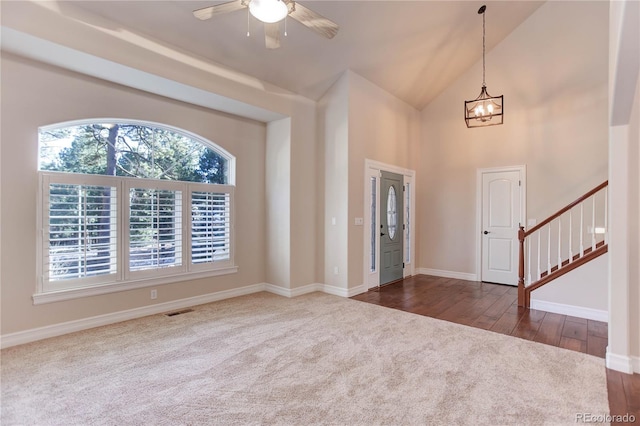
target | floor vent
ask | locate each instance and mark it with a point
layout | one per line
(173, 314)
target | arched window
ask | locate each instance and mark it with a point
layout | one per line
(133, 149)
(128, 204)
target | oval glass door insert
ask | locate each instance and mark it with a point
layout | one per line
(392, 214)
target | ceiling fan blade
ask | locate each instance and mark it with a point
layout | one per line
(314, 21)
(208, 12)
(272, 35)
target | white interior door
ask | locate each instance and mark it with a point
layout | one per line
(501, 217)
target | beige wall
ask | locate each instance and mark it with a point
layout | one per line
(83, 42)
(381, 128)
(585, 287)
(359, 121)
(552, 71)
(634, 193)
(71, 27)
(34, 94)
(67, 25)
(278, 198)
(634, 227)
(623, 351)
(305, 214)
(291, 194)
(333, 134)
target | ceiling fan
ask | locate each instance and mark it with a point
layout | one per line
(271, 12)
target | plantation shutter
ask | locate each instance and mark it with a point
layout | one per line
(210, 226)
(155, 228)
(79, 231)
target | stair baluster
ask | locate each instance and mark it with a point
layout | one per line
(570, 236)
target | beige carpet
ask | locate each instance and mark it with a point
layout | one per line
(314, 359)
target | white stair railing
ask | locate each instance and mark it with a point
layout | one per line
(554, 238)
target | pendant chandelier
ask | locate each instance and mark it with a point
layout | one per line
(485, 110)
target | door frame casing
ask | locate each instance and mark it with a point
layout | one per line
(523, 205)
(373, 168)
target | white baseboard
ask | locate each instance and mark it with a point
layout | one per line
(292, 292)
(343, 292)
(622, 363)
(447, 274)
(574, 311)
(357, 290)
(40, 333)
(54, 330)
(335, 290)
(310, 288)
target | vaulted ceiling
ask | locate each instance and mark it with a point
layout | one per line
(412, 49)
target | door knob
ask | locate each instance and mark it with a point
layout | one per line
(486, 232)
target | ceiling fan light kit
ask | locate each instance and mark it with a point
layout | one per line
(485, 110)
(271, 12)
(268, 11)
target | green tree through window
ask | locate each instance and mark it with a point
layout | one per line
(133, 150)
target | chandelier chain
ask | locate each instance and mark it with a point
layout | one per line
(484, 83)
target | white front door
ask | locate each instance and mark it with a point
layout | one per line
(501, 217)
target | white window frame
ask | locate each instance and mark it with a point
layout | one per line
(123, 279)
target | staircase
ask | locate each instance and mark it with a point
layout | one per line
(573, 236)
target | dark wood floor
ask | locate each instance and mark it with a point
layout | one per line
(495, 307)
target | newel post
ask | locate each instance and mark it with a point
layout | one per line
(521, 297)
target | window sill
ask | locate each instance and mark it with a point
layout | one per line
(77, 293)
